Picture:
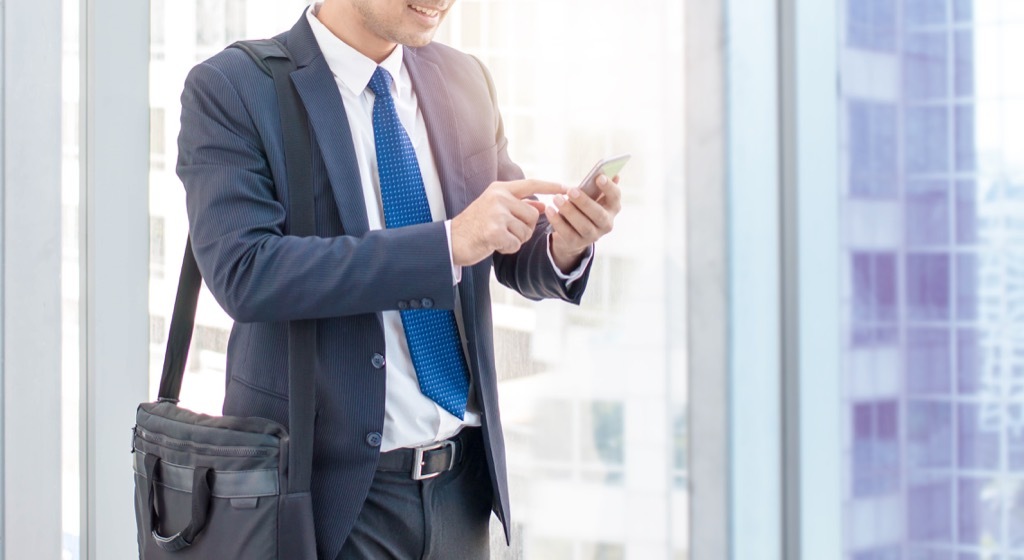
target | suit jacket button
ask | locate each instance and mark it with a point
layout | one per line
(377, 361)
(427, 303)
(414, 303)
(403, 305)
(373, 439)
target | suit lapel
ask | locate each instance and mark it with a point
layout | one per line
(439, 118)
(319, 93)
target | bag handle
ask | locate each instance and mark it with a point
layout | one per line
(273, 58)
(200, 507)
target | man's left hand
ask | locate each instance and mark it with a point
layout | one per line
(579, 221)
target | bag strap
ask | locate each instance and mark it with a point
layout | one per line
(273, 58)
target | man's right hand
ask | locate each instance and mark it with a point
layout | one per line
(501, 219)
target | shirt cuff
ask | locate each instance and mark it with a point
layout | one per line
(456, 269)
(575, 274)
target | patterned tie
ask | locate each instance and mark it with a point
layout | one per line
(433, 334)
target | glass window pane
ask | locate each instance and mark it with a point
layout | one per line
(873, 139)
(957, 194)
(966, 212)
(967, 282)
(929, 502)
(568, 384)
(925, 142)
(978, 435)
(963, 10)
(928, 361)
(874, 287)
(927, 288)
(923, 12)
(964, 68)
(929, 434)
(980, 511)
(966, 144)
(916, 553)
(925, 65)
(927, 210)
(871, 24)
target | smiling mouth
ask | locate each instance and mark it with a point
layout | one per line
(429, 12)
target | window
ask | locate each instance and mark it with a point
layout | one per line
(568, 391)
(874, 299)
(927, 365)
(875, 448)
(929, 434)
(558, 549)
(157, 31)
(873, 137)
(927, 288)
(927, 212)
(925, 63)
(679, 444)
(222, 22)
(871, 24)
(950, 486)
(157, 330)
(928, 505)
(926, 139)
(157, 139)
(157, 245)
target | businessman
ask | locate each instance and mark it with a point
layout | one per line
(416, 202)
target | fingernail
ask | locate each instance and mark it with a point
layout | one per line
(574, 193)
(601, 180)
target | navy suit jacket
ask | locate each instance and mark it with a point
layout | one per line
(231, 161)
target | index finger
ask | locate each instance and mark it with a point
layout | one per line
(528, 187)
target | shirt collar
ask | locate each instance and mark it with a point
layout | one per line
(351, 67)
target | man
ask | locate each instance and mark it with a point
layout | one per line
(416, 201)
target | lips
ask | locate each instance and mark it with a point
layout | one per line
(428, 12)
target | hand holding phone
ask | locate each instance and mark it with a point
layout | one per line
(609, 167)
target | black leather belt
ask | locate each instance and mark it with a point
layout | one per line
(428, 461)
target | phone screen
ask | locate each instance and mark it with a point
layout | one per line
(609, 167)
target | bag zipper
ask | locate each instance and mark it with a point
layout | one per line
(226, 451)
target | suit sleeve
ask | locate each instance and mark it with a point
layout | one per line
(530, 270)
(255, 271)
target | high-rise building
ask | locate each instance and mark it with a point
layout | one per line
(932, 230)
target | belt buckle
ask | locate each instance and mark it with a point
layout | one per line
(417, 465)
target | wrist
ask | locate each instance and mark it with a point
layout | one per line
(566, 259)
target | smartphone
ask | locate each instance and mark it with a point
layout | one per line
(608, 167)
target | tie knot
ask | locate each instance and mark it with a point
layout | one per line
(380, 82)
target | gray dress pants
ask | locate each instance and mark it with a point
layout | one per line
(442, 518)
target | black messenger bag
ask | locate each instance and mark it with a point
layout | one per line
(227, 488)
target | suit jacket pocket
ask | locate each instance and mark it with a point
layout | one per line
(481, 168)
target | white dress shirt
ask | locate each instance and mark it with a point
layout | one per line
(410, 418)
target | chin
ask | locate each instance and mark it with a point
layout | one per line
(416, 39)
(419, 42)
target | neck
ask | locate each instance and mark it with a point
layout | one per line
(347, 24)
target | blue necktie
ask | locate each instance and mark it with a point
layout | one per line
(433, 334)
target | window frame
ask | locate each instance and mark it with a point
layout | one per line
(115, 264)
(812, 412)
(30, 289)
